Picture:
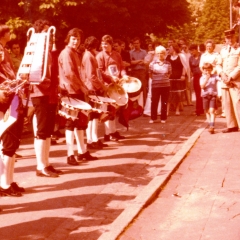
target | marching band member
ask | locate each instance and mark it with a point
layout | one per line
(72, 85)
(44, 115)
(111, 67)
(96, 86)
(10, 138)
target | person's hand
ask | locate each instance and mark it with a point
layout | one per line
(63, 92)
(115, 79)
(225, 78)
(125, 77)
(4, 97)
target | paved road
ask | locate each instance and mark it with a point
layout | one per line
(97, 199)
(202, 199)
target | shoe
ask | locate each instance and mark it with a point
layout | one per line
(17, 155)
(116, 136)
(163, 121)
(52, 169)
(228, 130)
(151, 121)
(106, 137)
(95, 145)
(16, 188)
(46, 173)
(100, 143)
(86, 156)
(72, 161)
(9, 192)
(177, 113)
(211, 130)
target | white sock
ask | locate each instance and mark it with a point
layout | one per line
(89, 132)
(79, 135)
(70, 142)
(110, 126)
(95, 130)
(40, 151)
(6, 169)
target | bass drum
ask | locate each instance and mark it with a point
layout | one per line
(132, 86)
(117, 93)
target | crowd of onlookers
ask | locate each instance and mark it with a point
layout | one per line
(83, 69)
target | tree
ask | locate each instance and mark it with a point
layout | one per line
(119, 18)
(213, 21)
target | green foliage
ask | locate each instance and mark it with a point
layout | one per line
(119, 18)
(213, 21)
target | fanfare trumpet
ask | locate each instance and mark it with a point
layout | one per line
(35, 60)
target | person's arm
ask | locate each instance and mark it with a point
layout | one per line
(71, 72)
(204, 80)
(101, 66)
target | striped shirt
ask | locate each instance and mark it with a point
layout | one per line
(160, 73)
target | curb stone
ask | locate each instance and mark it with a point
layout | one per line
(150, 191)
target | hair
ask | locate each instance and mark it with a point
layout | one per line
(193, 47)
(207, 65)
(210, 41)
(91, 43)
(4, 29)
(202, 47)
(40, 24)
(183, 39)
(13, 42)
(156, 43)
(136, 39)
(160, 49)
(175, 47)
(108, 39)
(118, 41)
(74, 32)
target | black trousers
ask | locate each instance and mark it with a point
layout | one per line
(158, 92)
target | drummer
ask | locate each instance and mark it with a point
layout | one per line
(73, 87)
(95, 86)
(111, 67)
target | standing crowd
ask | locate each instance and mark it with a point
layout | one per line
(82, 74)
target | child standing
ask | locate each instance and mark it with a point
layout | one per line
(208, 84)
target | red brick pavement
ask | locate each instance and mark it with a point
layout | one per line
(88, 200)
(202, 198)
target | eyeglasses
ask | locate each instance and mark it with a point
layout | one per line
(207, 68)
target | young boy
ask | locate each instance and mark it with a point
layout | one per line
(208, 84)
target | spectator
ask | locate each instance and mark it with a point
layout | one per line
(196, 74)
(15, 54)
(185, 51)
(159, 72)
(139, 69)
(177, 78)
(208, 83)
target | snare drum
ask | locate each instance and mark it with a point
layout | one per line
(117, 93)
(72, 108)
(132, 86)
(102, 105)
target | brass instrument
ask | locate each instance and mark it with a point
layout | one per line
(35, 60)
(11, 86)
